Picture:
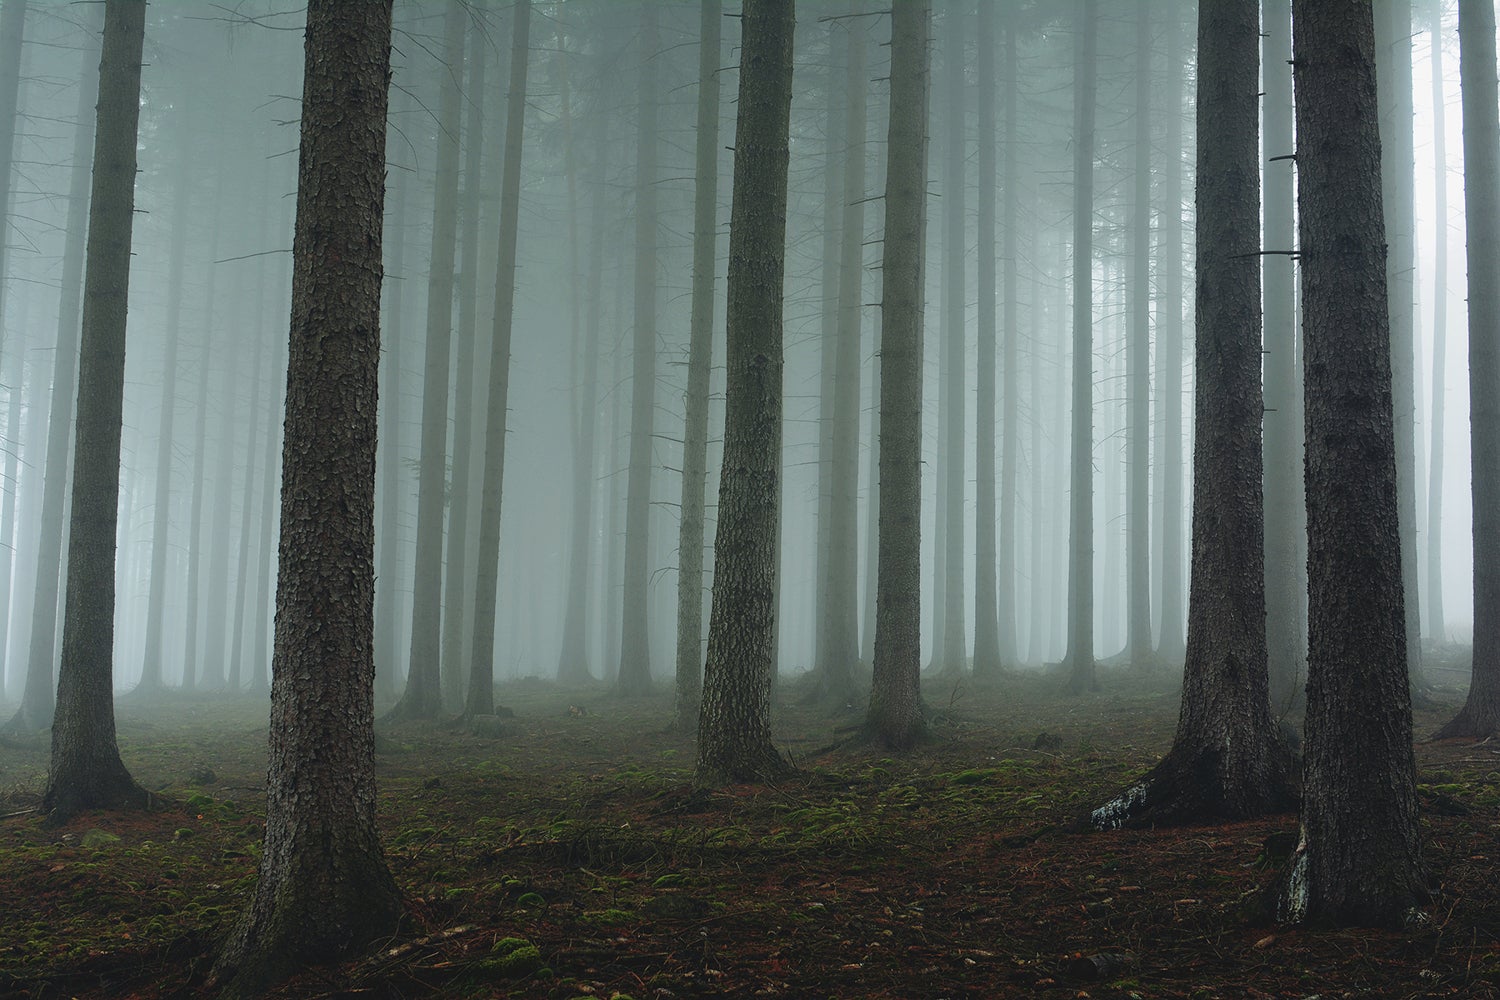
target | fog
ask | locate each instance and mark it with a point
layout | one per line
(210, 288)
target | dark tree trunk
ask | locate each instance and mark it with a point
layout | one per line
(1080, 655)
(1436, 625)
(481, 695)
(734, 731)
(1169, 645)
(835, 98)
(700, 360)
(1480, 715)
(1359, 857)
(86, 771)
(324, 889)
(634, 677)
(986, 600)
(950, 639)
(12, 30)
(895, 715)
(1227, 760)
(38, 694)
(1138, 365)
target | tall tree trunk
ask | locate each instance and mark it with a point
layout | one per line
(86, 771)
(954, 652)
(215, 642)
(734, 733)
(700, 360)
(834, 154)
(986, 600)
(841, 623)
(895, 715)
(1358, 861)
(458, 589)
(260, 681)
(1170, 643)
(1397, 165)
(324, 889)
(634, 676)
(237, 672)
(1480, 715)
(1285, 569)
(151, 660)
(1436, 626)
(1080, 655)
(481, 694)
(423, 697)
(1138, 366)
(38, 693)
(1227, 759)
(12, 31)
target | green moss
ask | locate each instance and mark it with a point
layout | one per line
(511, 958)
(530, 899)
(96, 838)
(608, 917)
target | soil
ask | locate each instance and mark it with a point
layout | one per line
(569, 856)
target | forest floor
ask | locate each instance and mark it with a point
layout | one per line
(571, 857)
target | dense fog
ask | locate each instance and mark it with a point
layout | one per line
(210, 287)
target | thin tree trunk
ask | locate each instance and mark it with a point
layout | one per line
(247, 503)
(86, 771)
(895, 715)
(215, 643)
(834, 154)
(481, 695)
(423, 697)
(1436, 625)
(1138, 366)
(634, 676)
(986, 600)
(270, 479)
(12, 31)
(1080, 655)
(953, 656)
(1170, 643)
(734, 734)
(690, 651)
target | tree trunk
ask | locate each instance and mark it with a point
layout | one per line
(1169, 647)
(458, 587)
(1138, 366)
(841, 620)
(986, 600)
(423, 697)
(260, 661)
(953, 655)
(12, 31)
(734, 732)
(1397, 165)
(1080, 655)
(237, 670)
(38, 694)
(1227, 760)
(86, 771)
(1480, 715)
(324, 889)
(700, 360)
(834, 153)
(1285, 565)
(1358, 861)
(481, 695)
(895, 715)
(1436, 626)
(634, 676)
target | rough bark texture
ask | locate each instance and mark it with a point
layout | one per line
(481, 696)
(86, 771)
(1433, 592)
(1286, 567)
(1080, 655)
(700, 361)
(986, 600)
(1010, 400)
(38, 694)
(324, 889)
(423, 697)
(734, 732)
(1227, 760)
(841, 618)
(1480, 715)
(1359, 859)
(895, 715)
(1138, 365)
(634, 677)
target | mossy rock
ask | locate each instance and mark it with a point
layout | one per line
(511, 958)
(96, 838)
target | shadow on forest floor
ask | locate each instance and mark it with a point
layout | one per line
(571, 857)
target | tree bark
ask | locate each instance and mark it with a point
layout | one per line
(1080, 655)
(1138, 365)
(895, 715)
(12, 32)
(324, 889)
(86, 771)
(734, 732)
(689, 688)
(1359, 857)
(986, 599)
(1480, 715)
(1227, 759)
(1170, 645)
(1436, 626)
(481, 695)
(423, 698)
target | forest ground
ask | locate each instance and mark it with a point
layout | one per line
(571, 857)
